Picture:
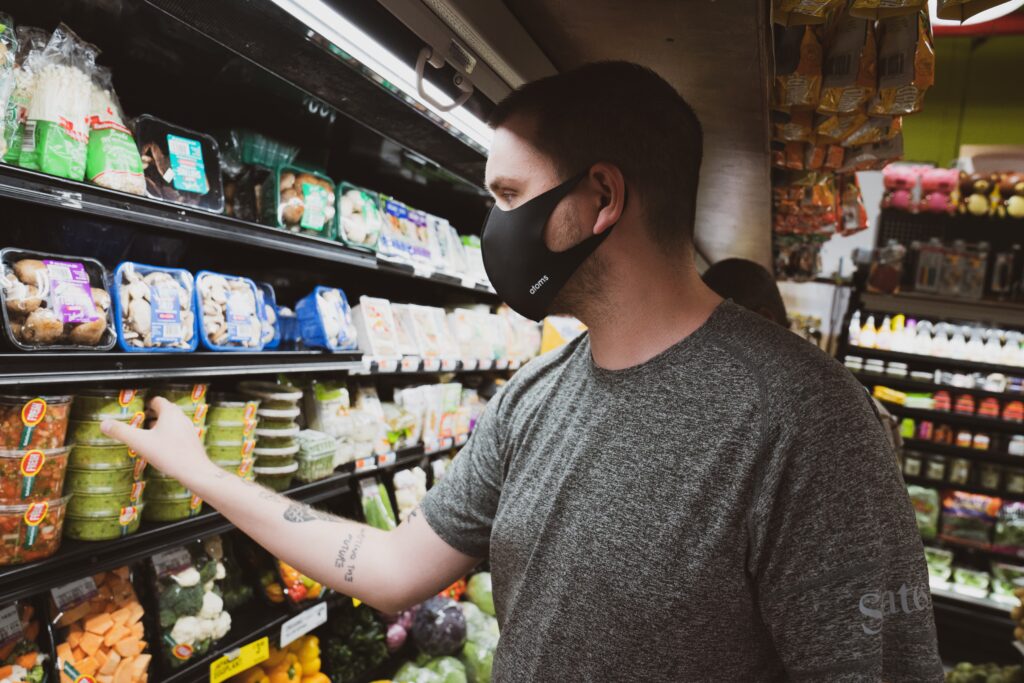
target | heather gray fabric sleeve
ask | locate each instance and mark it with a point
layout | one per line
(461, 508)
(835, 553)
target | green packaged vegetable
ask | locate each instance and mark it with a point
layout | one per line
(926, 509)
(376, 504)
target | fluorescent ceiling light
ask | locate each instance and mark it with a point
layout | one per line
(979, 18)
(323, 19)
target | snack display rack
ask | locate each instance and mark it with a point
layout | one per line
(279, 77)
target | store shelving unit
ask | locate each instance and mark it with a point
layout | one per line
(972, 454)
(912, 385)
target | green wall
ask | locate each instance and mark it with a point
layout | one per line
(978, 92)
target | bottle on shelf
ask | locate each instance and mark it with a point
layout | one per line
(976, 345)
(868, 333)
(940, 341)
(883, 338)
(853, 331)
(993, 346)
(923, 338)
(958, 344)
(929, 265)
(1001, 282)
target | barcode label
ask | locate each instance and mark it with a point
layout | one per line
(10, 625)
(73, 594)
(838, 65)
(171, 561)
(893, 65)
(28, 141)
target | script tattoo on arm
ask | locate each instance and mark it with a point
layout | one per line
(303, 513)
(347, 554)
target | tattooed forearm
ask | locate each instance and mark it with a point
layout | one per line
(412, 515)
(303, 513)
(348, 553)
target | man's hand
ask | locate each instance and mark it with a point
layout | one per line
(171, 444)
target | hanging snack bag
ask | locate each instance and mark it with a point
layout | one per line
(20, 654)
(853, 214)
(883, 9)
(154, 308)
(31, 43)
(8, 62)
(849, 71)
(969, 517)
(180, 165)
(231, 321)
(906, 64)
(56, 136)
(325, 320)
(99, 629)
(376, 504)
(875, 129)
(359, 217)
(798, 59)
(300, 200)
(55, 302)
(794, 126)
(112, 158)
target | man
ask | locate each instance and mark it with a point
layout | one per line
(751, 286)
(686, 492)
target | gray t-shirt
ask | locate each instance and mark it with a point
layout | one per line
(729, 510)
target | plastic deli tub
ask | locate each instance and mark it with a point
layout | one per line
(154, 308)
(181, 166)
(33, 475)
(28, 422)
(31, 531)
(55, 303)
(104, 527)
(271, 323)
(230, 315)
(300, 200)
(100, 404)
(276, 478)
(359, 217)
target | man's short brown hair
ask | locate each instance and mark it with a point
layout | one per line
(625, 114)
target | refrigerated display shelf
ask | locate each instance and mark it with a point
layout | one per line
(954, 596)
(89, 200)
(941, 307)
(969, 488)
(972, 454)
(912, 385)
(953, 418)
(917, 361)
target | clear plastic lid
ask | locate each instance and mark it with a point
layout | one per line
(10, 400)
(270, 391)
(276, 452)
(22, 508)
(283, 433)
(282, 414)
(272, 471)
(46, 453)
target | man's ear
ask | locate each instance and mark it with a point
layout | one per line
(609, 188)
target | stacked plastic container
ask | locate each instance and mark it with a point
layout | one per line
(104, 477)
(316, 455)
(276, 432)
(33, 459)
(167, 499)
(231, 433)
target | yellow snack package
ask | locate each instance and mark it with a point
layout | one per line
(795, 126)
(906, 64)
(875, 129)
(883, 9)
(849, 74)
(803, 12)
(833, 130)
(797, 68)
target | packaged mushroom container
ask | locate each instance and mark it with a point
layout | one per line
(180, 165)
(300, 200)
(271, 325)
(230, 315)
(154, 308)
(55, 302)
(325, 321)
(359, 217)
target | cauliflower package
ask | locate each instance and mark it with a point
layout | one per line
(189, 596)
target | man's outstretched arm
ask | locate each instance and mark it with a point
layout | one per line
(389, 570)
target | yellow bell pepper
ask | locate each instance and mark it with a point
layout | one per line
(316, 678)
(309, 656)
(288, 671)
(275, 657)
(253, 675)
(274, 592)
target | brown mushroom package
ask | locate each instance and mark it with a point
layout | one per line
(180, 165)
(55, 302)
(300, 200)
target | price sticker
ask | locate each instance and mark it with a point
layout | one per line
(171, 561)
(431, 447)
(300, 625)
(469, 364)
(387, 364)
(515, 364)
(446, 443)
(485, 364)
(245, 657)
(449, 365)
(431, 364)
(410, 363)
(365, 465)
(386, 459)
(501, 364)
(469, 282)
(10, 625)
(461, 439)
(73, 594)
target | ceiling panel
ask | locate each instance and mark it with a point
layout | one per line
(717, 54)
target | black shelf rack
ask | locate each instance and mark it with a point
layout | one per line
(912, 385)
(987, 424)
(916, 361)
(972, 454)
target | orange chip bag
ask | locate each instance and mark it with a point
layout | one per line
(872, 157)
(883, 9)
(797, 68)
(906, 64)
(836, 128)
(796, 126)
(848, 72)
(833, 158)
(875, 129)
(853, 216)
(803, 12)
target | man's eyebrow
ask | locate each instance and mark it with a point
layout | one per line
(499, 182)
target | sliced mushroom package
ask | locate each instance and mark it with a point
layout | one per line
(325, 320)
(155, 308)
(231, 319)
(300, 200)
(180, 165)
(55, 302)
(359, 217)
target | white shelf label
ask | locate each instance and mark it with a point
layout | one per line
(411, 363)
(73, 594)
(431, 364)
(387, 364)
(300, 625)
(365, 464)
(171, 561)
(10, 624)
(514, 364)
(461, 439)
(431, 447)
(449, 364)
(447, 443)
(469, 365)
(469, 282)
(501, 364)
(486, 364)
(386, 459)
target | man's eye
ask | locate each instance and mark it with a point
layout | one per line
(507, 196)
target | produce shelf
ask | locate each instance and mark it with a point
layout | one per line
(76, 559)
(969, 488)
(869, 380)
(916, 361)
(93, 201)
(935, 306)
(953, 596)
(953, 418)
(968, 453)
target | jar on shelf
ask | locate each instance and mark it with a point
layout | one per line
(989, 407)
(912, 464)
(925, 430)
(1016, 446)
(908, 428)
(964, 404)
(1014, 480)
(936, 469)
(941, 401)
(981, 442)
(960, 471)
(964, 438)
(989, 477)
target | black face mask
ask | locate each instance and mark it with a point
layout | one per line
(525, 273)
